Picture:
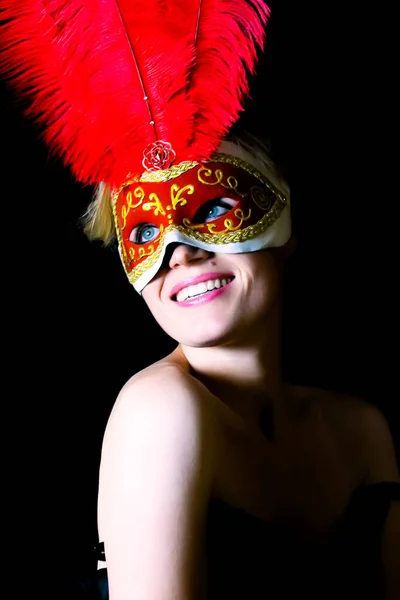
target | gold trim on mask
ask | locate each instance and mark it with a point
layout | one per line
(164, 174)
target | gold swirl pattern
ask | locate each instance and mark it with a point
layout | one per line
(228, 223)
(142, 253)
(207, 172)
(231, 181)
(176, 194)
(260, 197)
(232, 184)
(125, 210)
(156, 204)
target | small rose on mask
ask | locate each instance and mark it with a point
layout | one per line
(158, 155)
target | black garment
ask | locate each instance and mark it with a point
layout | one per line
(249, 559)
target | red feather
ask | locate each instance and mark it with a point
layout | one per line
(229, 33)
(85, 67)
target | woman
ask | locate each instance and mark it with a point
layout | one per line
(217, 478)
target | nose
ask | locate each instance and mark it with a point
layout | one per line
(184, 255)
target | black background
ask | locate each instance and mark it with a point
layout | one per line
(73, 328)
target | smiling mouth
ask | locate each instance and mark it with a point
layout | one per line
(201, 289)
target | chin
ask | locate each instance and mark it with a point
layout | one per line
(204, 342)
(203, 335)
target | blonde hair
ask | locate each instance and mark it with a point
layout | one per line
(98, 220)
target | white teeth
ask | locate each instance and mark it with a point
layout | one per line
(191, 290)
(201, 288)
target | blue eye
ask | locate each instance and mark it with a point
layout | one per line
(213, 210)
(144, 233)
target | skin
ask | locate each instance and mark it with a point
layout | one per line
(186, 429)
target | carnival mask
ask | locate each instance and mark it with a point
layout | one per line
(220, 205)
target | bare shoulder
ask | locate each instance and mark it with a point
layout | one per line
(162, 404)
(364, 431)
(164, 391)
(155, 480)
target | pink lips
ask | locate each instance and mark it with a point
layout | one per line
(199, 279)
(205, 298)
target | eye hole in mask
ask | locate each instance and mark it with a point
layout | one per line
(210, 211)
(144, 233)
(213, 210)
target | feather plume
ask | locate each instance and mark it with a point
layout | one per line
(230, 32)
(108, 77)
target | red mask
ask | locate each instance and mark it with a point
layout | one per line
(220, 205)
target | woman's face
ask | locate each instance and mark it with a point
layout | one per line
(202, 299)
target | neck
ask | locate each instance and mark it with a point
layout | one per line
(245, 375)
